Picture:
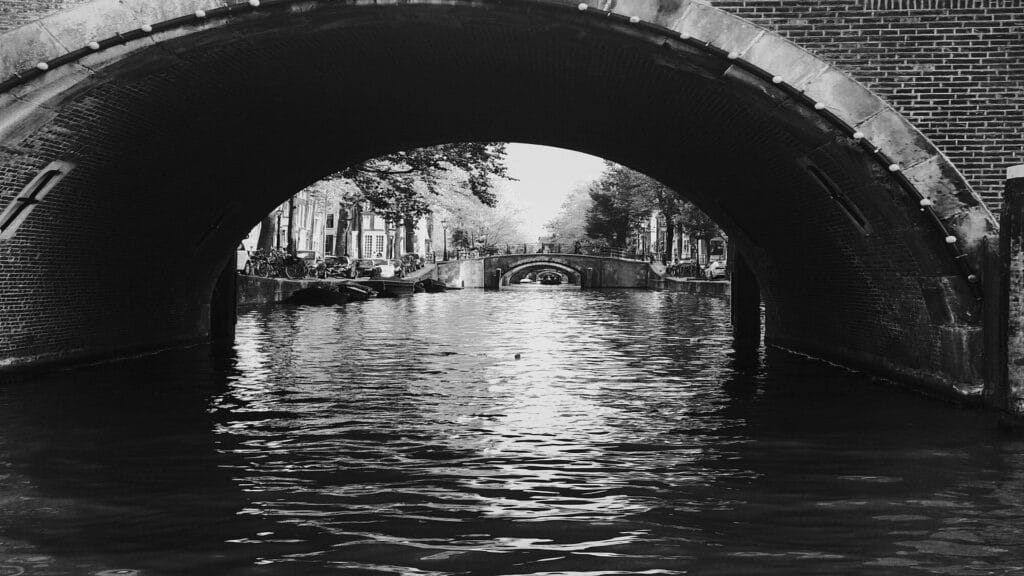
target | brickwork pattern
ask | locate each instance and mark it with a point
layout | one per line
(955, 68)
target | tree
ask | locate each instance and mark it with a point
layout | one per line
(475, 224)
(569, 225)
(268, 230)
(400, 187)
(622, 197)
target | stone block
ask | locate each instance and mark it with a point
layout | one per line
(897, 138)
(938, 180)
(721, 29)
(95, 21)
(154, 11)
(782, 58)
(843, 96)
(23, 48)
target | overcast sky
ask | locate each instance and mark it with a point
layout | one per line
(544, 177)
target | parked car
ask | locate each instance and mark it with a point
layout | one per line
(387, 267)
(364, 267)
(715, 270)
(337, 267)
(243, 260)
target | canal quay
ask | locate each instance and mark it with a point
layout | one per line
(527, 287)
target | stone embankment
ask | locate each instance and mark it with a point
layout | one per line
(721, 288)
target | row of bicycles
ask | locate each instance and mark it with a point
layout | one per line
(275, 263)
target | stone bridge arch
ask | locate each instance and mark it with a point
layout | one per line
(593, 271)
(144, 137)
(512, 276)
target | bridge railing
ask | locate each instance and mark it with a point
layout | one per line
(549, 248)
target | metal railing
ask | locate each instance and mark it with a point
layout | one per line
(547, 248)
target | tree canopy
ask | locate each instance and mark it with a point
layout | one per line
(569, 224)
(609, 209)
(402, 186)
(621, 198)
(473, 224)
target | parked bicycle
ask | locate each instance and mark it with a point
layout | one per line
(275, 263)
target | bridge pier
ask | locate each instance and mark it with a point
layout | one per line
(224, 302)
(746, 303)
(493, 280)
(1006, 361)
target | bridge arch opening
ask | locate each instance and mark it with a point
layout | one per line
(567, 274)
(185, 129)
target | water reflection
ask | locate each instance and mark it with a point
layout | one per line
(405, 437)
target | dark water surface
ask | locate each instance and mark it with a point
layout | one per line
(403, 437)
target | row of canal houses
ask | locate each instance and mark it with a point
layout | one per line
(650, 235)
(324, 223)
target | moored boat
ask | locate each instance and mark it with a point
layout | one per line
(386, 287)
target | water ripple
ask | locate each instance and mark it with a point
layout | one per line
(534, 431)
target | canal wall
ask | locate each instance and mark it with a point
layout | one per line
(462, 273)
(716, 288)
(256, 291)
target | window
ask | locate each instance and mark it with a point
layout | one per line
(18, 210)
(329, 244)
(380, 245)
(330, 220)
(368, 247)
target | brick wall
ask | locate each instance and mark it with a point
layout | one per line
(955, 68)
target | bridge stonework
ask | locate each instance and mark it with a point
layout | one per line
(955, 68)
(175, 125)
(595, 271)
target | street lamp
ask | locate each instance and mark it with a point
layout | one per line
(444, 228)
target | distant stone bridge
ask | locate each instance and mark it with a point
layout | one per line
(493, 272)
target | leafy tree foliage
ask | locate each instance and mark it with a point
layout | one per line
(569, 225)
(474, 224)
(622, 198)
(402, 186)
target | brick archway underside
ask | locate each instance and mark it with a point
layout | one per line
(183, 139)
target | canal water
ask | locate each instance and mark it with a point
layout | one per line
(538, 430)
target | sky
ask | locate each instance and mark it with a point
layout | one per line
(544, 177)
